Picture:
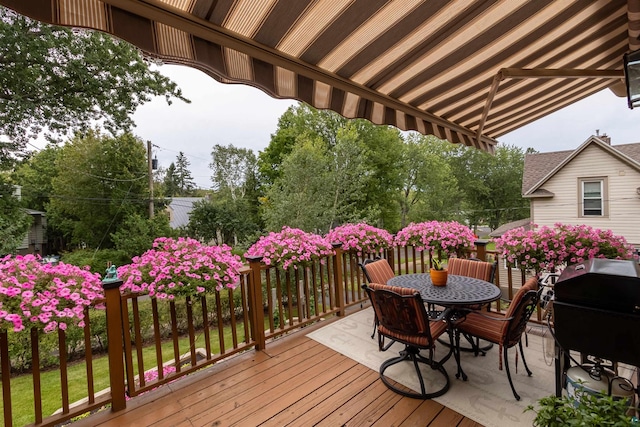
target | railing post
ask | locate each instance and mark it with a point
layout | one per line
(338, 279)
(5, 366)
(390, 254)
(113, 304)
(256, 309)
(481, 249)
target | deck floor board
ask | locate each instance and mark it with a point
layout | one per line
(295, 381)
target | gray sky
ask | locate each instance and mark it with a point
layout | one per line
(246, 117)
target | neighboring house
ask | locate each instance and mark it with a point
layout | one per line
(179, 209)
(597, 184)
(35, 241)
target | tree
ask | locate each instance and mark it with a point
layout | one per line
(183, 177)
(137, 233)
(232, 169)
(35, 175)
(14, 220)
(492, 184)
(221, 220)
(101, 180)
(359, 165)
(61, 79)
(300, 197)
(429, 190)
(170, 182)
(300, 121)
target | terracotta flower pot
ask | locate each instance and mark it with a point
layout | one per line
(439, 277)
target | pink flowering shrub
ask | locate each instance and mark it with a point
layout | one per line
(583, 242)
(290, 247)
(450, 237)
(548, 248)
(33, 294)
(362, 238)
(182, 267)
(535, 250)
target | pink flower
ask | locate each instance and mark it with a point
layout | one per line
(34, 294)
(451, 237)
(182, 267)
(552, 247)
(290, 247)
(361, 237)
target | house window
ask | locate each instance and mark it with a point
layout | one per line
(592, 193)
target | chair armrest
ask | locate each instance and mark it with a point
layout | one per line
(497, 319)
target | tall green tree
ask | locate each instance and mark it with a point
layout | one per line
(232, 168)
(14, 220)
(221, 220)
(183, 178)
(35, 176)
(136, 233)
(60, 79)
(383, 157)
(360, 165)
(300, 197)
(492, 184)
(101, 180)
(170, 182)
(230, 215)
(429, 190)
(300, 122)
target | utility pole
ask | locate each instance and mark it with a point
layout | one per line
(150, 179)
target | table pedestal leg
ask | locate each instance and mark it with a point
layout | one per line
(456, 354)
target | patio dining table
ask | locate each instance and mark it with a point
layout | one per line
(459, 293)
(459, 290)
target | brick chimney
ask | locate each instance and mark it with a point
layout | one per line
(604, 138)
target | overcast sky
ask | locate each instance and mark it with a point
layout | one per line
(246, 117)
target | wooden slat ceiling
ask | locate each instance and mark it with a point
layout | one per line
(467, 71)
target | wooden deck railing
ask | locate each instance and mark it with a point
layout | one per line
(162, 341)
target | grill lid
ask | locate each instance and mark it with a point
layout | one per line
(601, 283)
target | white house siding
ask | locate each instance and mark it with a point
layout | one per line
(623, 201)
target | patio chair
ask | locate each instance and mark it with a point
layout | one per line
(377, 270)
(505, 331)
(472, 267)
(403, 318)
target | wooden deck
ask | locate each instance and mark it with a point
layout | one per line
(296, 382)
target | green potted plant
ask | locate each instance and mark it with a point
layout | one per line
(586, 409)
(438, 273)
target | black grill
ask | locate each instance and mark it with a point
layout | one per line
(597, 311)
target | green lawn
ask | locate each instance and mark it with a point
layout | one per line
(22, 387)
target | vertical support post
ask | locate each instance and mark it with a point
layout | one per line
(256, 309)
(390, 255)
(5, 366)
(481, 249)
(150, 165)
(114, 337)
(338, 279)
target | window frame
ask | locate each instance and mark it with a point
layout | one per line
(604, 206)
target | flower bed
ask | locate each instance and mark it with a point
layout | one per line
(182, 267)
(42, 295)
(290, 247)
(547, 248)
(362, 238)
(450, 237)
